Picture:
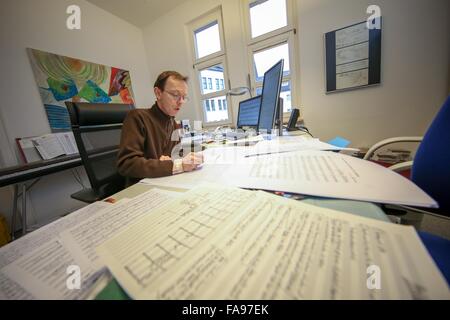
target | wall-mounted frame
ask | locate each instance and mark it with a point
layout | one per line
(353, 57)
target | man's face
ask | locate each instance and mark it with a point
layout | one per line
(172, 97)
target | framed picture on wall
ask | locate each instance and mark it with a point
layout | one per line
(353, 56)
(61, 78)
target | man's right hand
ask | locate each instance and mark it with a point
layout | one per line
(192, 160)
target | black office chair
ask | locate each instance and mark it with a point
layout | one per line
(97, 128)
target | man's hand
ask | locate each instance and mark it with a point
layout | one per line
(192, 161)
(165, 158)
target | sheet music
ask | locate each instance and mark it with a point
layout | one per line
(67, 141)
(102, 225)
(352, 79)
(36, 267)
(43, 272)
(276, 248)
(25, 246)
(352, 35)
(29, 151)
(31, 241)
(48, 146)
(327, 174)
(289, 144)
(11, 290)
(155, 242)
(353, 53)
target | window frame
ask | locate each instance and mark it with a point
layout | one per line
(202, 22)
(221, 93)
(210, 86)
(271, 39)
(248, 27)
(210, 60)
(217, 84)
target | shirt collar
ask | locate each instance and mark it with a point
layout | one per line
(156, 111)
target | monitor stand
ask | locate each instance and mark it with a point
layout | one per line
(279, 117)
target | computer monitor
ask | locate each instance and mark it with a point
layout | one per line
(249, 112)
(270, 97)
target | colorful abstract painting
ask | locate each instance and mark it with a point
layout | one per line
(61, 79)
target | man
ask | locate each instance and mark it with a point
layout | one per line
(146, 144)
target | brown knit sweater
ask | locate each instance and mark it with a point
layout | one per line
(146, 136)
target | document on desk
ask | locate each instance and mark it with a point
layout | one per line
(84, 237)
(270, 248)
(216, 162)
(172, 233)
(289, 144)
(44, 272)
(327, 174)
(27, 246)
(231, 141)
(41, 271)
(209, 172)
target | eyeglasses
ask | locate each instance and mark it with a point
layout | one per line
(177, 97)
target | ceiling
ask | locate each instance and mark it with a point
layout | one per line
(137, 12)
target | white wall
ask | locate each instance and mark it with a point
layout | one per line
(414, 69)
(103, 38)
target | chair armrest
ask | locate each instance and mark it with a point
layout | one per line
(402, 166)
(385, 142)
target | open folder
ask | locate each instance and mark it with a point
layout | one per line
(47, 146)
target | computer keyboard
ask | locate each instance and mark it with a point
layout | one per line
(235, 135)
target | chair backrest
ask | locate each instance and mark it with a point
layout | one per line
(97, 128)
(431, 167)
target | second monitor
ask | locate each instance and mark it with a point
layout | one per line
(249, 113)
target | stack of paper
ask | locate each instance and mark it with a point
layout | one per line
(227, 243)
(327, 174)
(48, 146)
(315, 173)
(291, 143)
(38, 266)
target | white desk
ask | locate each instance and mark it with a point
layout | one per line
(355, 207)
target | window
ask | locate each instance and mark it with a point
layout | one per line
(208, 47)
(266, 58)
(270, 40)
(215, 71)
(224, 104)
(207, 40)
(260, 10)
